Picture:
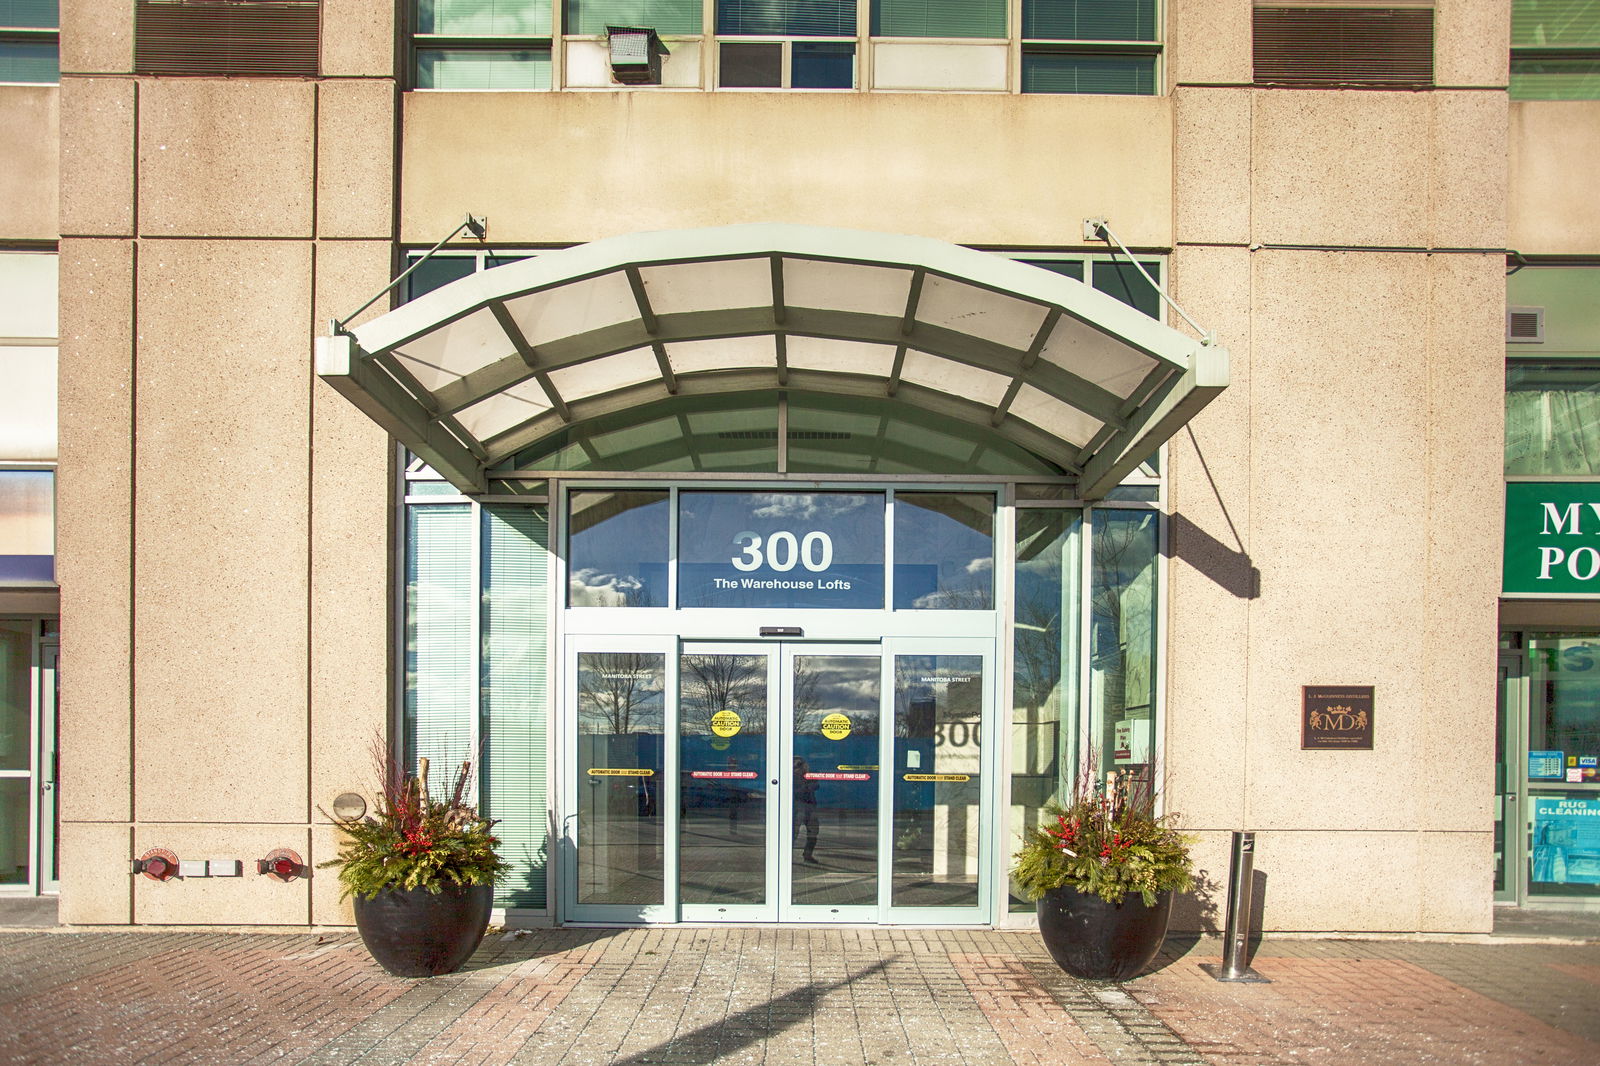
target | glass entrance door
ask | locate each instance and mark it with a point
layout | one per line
(778, 780)
(772, 782)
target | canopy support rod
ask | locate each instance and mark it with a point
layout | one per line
(480, 229)
(1096, 227)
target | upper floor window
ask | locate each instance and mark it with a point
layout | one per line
(1089, 46)
(1555, 50)
(791, 44)
(1553, 372)
(1057, 46)
(483, 44)
(30, 41)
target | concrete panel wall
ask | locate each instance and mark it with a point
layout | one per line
(225, 520)
(573, 167)
(1554, 151)
(1336, 514)
(221, 423)
(29, 150)
(351, 573)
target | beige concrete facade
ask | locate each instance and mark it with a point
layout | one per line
(224, 518)
(227, 521)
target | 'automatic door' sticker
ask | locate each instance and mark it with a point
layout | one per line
(836, 726)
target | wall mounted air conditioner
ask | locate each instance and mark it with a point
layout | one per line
(635, 55)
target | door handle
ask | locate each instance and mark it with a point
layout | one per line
(774, 780)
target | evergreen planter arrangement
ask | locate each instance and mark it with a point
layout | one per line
(1103, 869)
(422, 872)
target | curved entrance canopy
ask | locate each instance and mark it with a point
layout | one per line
(471, 373)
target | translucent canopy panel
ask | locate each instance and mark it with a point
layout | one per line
(827, 434)
(489, 366)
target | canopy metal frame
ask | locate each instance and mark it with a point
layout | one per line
(371, 365)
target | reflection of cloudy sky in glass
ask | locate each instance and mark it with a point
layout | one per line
(592, 588)
(806, 504)
(846, 685)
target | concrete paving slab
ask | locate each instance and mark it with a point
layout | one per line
(785, 997)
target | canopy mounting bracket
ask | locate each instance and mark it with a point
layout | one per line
(477, 225)
(1098, 229)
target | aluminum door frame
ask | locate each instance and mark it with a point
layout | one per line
(1512, 729)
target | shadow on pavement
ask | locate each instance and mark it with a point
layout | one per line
(754, 1025)
(501, 945)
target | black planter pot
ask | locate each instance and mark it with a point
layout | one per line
(415, 933)
(1101, 941)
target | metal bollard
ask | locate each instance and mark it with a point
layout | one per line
(1236, 933)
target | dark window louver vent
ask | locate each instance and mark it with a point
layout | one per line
(1311, 47)
(1525, 325)
(249, 38)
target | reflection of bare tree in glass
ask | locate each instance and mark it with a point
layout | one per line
(1121, 552)
(618, 693)
(807, 692)
(1042, 544)
(713, 683)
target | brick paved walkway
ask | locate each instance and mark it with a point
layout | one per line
(783, 997)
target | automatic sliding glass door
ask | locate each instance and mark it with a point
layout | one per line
(727, 785)
(833, 707)
(779, 781)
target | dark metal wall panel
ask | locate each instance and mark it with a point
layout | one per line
(1354, 46)
(253, 38)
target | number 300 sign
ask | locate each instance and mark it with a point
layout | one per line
(783, 550)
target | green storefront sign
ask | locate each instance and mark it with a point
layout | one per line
(1552, 538)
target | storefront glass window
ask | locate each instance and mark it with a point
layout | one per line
(1122, 642)
(617, 549)
(1553, 418)
(1044, 683)
(514, 742)
(938, 707)
(475, 664)
(27, 526)
(943, 551)
(439, 603)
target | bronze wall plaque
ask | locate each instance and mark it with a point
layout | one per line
(1336, 717)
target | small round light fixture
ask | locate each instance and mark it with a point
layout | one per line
(348, 806)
